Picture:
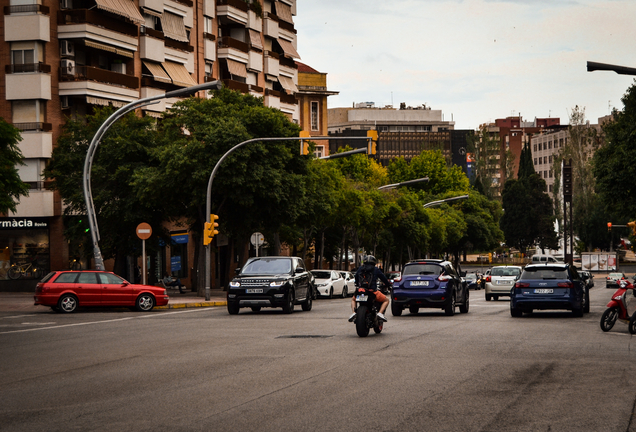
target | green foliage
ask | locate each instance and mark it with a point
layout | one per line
(11, 186)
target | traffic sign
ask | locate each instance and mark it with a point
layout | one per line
(144, 231)
(257, 239)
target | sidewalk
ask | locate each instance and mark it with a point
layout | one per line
(23, 301)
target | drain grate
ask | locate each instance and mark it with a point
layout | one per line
(303, 336)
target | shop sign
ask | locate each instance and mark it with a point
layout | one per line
(179, 238)
(13, 223)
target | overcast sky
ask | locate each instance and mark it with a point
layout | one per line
(476, 60)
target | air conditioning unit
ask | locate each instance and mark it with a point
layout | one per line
(67, 49)
(65, 102)
(118, 67)
(66, 4)
(67, 66)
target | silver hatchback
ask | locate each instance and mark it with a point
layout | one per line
(500, 281)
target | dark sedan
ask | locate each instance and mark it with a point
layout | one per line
(429, 284)
(549, 287)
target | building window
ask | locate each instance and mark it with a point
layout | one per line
(545, 159)
(319, 151)
(550, 159)
(550, 145)
(545, 146)
(207, 25)
(535, 160)
(28, 114)
(540, 160)
(545, 174)
(550, 188)
(550, 173)
(314, 116)
(535, 148)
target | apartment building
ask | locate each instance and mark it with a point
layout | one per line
(65, 57)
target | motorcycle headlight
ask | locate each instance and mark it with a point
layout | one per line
(277, 284)
(235, 284)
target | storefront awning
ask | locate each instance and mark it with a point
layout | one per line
(125, 8)
(174, 27)
(288, 48)
(179, 74)
(157, 72)
(288, 84)
(104, 47)
(255, 39)
(237, 68)
(283, 11)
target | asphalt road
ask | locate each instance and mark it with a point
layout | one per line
(202, 369)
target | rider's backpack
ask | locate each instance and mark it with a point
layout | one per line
(366, 277)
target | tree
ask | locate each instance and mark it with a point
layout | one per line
(486, 149)
(11, 186)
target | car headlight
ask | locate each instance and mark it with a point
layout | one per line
(277, 284)
(322, 284)
(235, 284)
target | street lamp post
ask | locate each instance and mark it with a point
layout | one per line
(90, 154)
(406, 183)
(435, 203)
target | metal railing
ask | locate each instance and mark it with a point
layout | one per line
(147, 31)
(236, 85)
(27, 67)
(34, 126)
(81, 73)
(28, 8)
(228, 42)
(85, 16)
(239, 4)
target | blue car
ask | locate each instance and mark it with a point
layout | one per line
(429, 284)
(550, 286)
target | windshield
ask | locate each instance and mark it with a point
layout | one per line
(503, 271)
(545, 273)
(322, 274)
(267, 266)
(423, 269)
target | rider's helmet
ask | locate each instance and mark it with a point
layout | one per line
(370, 259)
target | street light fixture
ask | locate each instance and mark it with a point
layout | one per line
(435, 203)
(621, 70)
(406, 183)
(90, 154)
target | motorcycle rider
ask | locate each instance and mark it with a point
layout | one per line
(368, 274)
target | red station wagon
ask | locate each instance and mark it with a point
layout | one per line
(65, 291)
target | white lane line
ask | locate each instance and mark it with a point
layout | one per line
(18, 316)
(105, 321)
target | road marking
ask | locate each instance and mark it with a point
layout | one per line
(105, 321)
(18, 316)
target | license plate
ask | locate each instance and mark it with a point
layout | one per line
(419, 283)
(362, 298)
(543, 291)
(254, 291)
(504, 282)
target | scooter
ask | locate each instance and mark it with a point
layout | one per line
(617, 308)
(367, 312)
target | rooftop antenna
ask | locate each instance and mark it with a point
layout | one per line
(391, 98)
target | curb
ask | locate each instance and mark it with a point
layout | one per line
(192, 305)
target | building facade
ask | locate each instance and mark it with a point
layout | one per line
(65, 57)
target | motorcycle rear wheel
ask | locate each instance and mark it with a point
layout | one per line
(608, 319)
(361, 321)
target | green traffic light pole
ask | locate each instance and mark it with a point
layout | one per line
(90, 154)
(208, 202)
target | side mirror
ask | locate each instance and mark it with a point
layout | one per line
(463, 274)
(237, 270)
(299, 270)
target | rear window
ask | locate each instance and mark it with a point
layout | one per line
(423, 269)
(267, 266)
(502, 271)
(545, 273)
(322, 274)
(47, 277)
(471, 276)
(66, 278)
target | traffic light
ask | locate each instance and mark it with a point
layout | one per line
(609, 226)
(372, 144)
(304, 145)
(632, 225)
(210, 230)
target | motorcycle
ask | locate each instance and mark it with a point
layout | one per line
(367, 312)
(617, 308)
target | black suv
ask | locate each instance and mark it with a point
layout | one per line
(429, 284)
(271, 282)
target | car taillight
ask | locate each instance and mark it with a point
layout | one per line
(487, 278)
(522, 285)
(565, 285)
(397, 279)
(443, 278)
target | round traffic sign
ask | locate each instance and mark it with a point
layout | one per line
(257, 239)
(144, 231)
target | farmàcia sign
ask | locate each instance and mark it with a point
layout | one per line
(8, 223)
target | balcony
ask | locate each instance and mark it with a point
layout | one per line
(28, 85)
(151, 45)
(233, 49)
(255, 62)
(271, 66)
(236, 85)
(183, 46)
(288, 63)
(270, 28)
(27, 22)
(284, 25)
(94, 18)
(34, 126)
(24, 68)
(288, 99)
(234, 10)
(89, 73)
(36, 144)
(39, 203)
(209, 47)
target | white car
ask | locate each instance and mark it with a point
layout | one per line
(329, 283)
(500, 281)
(350, 282)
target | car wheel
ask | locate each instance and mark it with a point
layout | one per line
(289, 304)
(331, 293)
(488, 297)
(256, 308)
(586, 308)
(145, 303)
(632, 324)
(578, 313)
(413, 309)
(464, 307)
(233, 308)
(67, 303)
(344, 292)
(608, 319)
(396, 310)
(495, 298)
(307, 304)
(450, 309)
(515, 312)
